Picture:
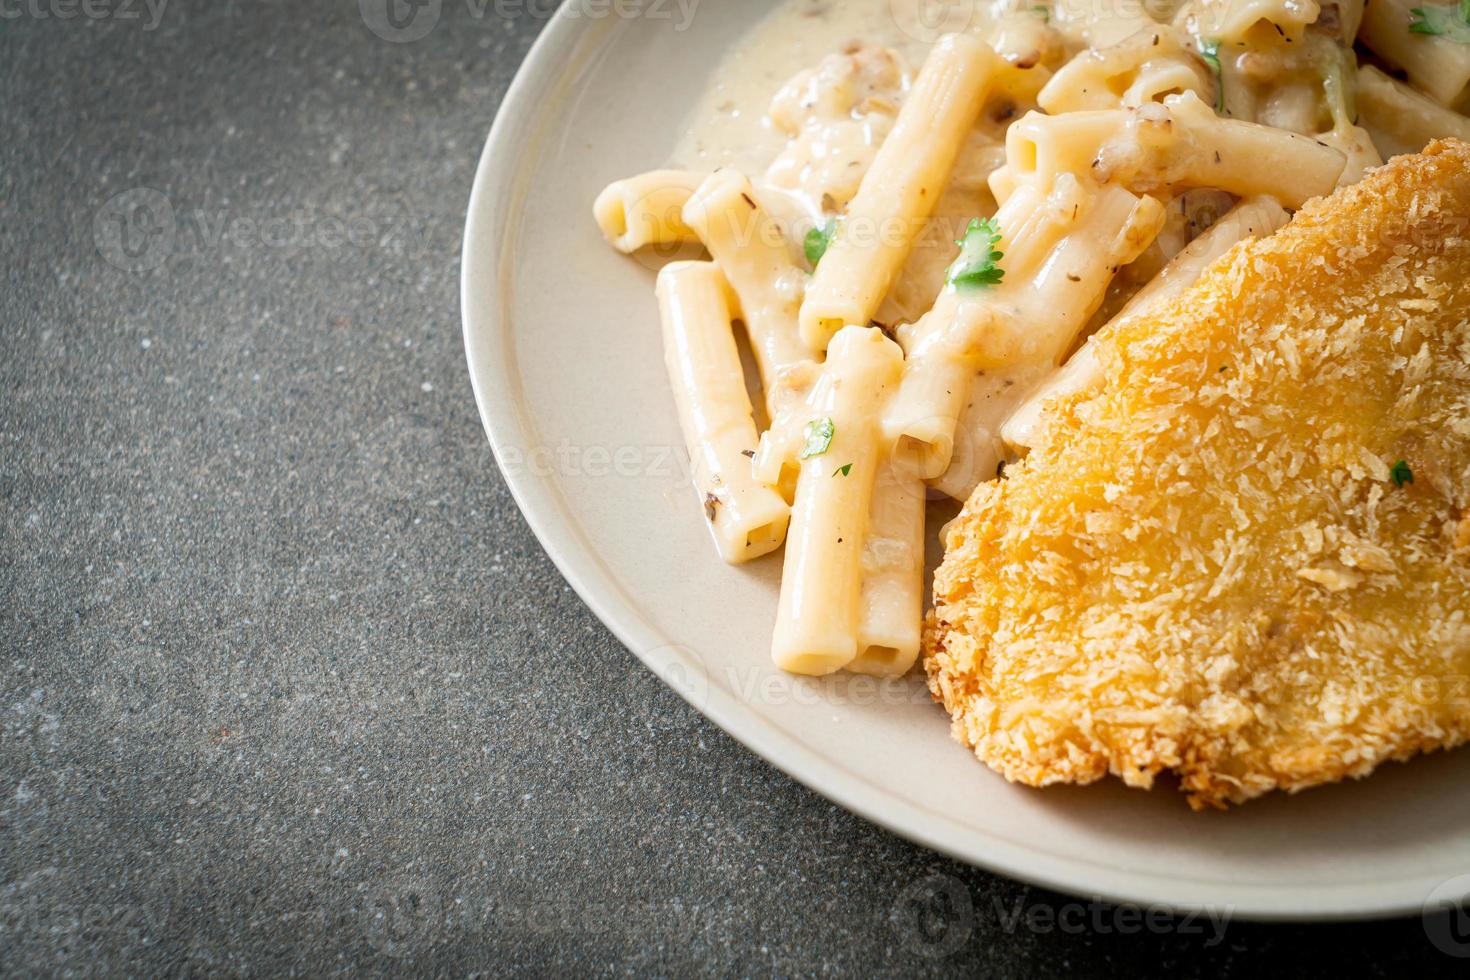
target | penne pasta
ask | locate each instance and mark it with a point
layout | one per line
(748, 518)
(754, 257)
(1356, 145)
(1144, 67)
(1082, 372)
(1061, 253)
(1437, 66)
(1349, 19)
(1293, 108)
(891, 606)
(1164, 148)
(979, 450)
(647, 210)
(1253, 218)
(1236, 21)
(901, 190)
(817, 619)
(1401, 120)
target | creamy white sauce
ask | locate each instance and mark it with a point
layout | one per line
(729, 127)
(807, 158)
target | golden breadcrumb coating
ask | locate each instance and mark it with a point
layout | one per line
(1210, 566)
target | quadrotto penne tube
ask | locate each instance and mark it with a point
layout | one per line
(646, 210)
(1436, 64)
(891, 603)
(1163, 148)
(1401, 119)
(817, 617)
(979, 448)
(748, 518)
(1147, 65)
(756, 260)
(899, 193)
(1059, 278)
(1252, 218)
(1234, 21)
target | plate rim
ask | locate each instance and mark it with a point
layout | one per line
(529, 103)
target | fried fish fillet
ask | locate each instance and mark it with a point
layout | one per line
(1246, 559)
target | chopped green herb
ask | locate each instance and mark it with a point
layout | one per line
(1452, 22)
(1043, 12)
(819, 433)
(1210, 51)
(817, 241)
(979, 262)
(842, 470)
(1401, 473)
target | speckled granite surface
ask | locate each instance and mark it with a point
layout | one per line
(287, 684)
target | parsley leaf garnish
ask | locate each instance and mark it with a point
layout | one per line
(1043, 12)
(978, 264)
(1452, 22)
(1210, 52)
(819, 433)
(842, 470)
(1401, 473)
(817, 241)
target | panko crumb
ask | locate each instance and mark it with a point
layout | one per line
(1218, 565)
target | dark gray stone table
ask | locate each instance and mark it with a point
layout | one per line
(287, 685)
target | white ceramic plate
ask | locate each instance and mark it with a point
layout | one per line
(563, 344)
